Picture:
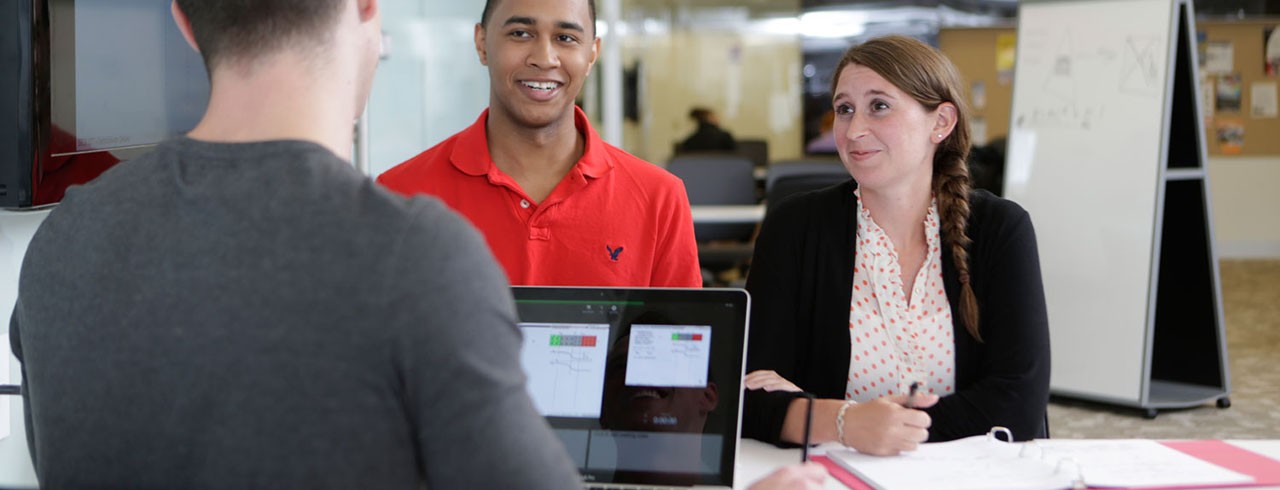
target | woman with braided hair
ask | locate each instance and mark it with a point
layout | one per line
(901, 278)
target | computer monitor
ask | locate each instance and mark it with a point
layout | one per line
(97, 83)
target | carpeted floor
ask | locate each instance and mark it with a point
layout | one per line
(1251, 305)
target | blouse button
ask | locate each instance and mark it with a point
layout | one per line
(524, 203)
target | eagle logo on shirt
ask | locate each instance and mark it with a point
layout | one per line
(613, 252)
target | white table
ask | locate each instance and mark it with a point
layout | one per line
(757, 459)
(728, 214)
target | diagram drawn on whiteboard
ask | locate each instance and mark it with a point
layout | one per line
(1069, 96)
(1140, 72)
(1060, 82)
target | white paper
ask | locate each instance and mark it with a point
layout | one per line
(1219, 57)
(978, 92)
(1208, 96)
(973, 463)
(1262, 99)
(978, 131)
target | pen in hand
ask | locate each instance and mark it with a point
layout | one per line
(911, 395)
(808, 423)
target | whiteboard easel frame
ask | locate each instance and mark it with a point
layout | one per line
(1190, 238)
(1183, 29)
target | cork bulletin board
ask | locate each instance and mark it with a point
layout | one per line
(1261, 135)
(989, 81)
(975, 52)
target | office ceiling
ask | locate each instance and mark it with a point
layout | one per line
(1237, 8)
(769, 8)
(1003, 8)
(754, 8)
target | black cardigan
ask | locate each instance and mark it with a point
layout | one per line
(801, 283)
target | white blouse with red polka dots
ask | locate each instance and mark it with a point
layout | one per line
(895, 340)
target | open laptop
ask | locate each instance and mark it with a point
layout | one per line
(643, 386)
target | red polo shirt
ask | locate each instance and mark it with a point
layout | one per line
(614, 220)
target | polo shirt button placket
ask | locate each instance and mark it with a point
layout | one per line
(537, 230)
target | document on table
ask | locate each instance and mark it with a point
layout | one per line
(974, 463)
(982, 462)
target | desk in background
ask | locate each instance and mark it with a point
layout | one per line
(703, 214)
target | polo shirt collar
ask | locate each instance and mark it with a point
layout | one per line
(595, 160)
(471, 154)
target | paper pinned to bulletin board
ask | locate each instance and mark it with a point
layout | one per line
(978, 95)
(1228, 92)
(1262, 100)
(1006, 54)
(978, 131)
(1207, 98)
(1219, 57)
(1230, 136)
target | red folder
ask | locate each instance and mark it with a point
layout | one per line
(1265, 471)
(839, 473)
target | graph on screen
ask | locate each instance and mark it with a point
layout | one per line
(669, 355)
(565, 366)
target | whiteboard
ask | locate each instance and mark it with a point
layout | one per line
(1086, 148)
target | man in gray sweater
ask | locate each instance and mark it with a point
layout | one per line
(241, 309)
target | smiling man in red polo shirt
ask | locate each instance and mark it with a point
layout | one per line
(557, 205)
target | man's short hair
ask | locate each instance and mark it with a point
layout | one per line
(489, 5)
(245, 30)
(700, 114)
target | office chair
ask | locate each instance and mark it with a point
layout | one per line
(792, 176)
(718, 179)
(756, 150)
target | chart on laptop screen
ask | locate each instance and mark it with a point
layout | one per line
(565, 365)
(669, 355)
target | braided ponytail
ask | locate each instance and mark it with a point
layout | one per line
(951, 186)
(931, 79)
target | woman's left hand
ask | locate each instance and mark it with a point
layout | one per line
(769, 380)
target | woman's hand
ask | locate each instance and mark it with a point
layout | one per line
(804, 476)
(885, 427)
(769, 380)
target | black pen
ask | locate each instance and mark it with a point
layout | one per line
(911, 394)
(808, 423)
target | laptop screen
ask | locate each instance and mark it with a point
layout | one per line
(642, 385)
